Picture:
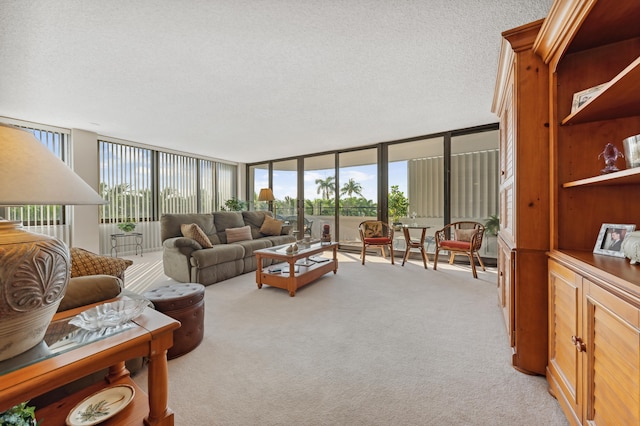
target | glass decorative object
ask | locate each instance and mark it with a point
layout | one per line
(610, 154)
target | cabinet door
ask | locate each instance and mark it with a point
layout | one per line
(612, 367)
(565, 328)
(507, 158)
(505, 288)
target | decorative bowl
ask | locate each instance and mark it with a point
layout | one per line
(109, 314)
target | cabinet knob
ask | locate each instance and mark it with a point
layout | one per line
(577, 342)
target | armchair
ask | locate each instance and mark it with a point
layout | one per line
(460, 238)
(377, 234)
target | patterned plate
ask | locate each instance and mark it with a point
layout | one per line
(101, 405)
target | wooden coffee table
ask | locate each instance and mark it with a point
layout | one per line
(308, 270)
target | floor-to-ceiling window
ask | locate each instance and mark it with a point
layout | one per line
(357, 191)
(258, 179)
(474, 181)
(285, 191)
(444, 177)
(319, 194)
(416, 171)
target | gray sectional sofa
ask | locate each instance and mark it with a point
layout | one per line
(185, 260)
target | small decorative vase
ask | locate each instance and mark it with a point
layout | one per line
(34, 273)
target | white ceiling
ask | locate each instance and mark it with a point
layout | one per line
(251, 80)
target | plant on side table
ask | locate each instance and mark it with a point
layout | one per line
(127, 226)
(20, 415)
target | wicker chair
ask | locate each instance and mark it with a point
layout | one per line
(460, 238)
(376, 234)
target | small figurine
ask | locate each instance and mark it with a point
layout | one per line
(610, 154)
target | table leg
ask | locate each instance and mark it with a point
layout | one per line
(259, 271)
(291, 284)
(158, 384)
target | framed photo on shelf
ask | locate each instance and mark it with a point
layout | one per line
(580, 98)
(610, 239)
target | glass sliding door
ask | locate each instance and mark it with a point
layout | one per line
(258, 179)
(416, 171)
(285, 191)
(474, 181)
(319, 194)
(358, 193)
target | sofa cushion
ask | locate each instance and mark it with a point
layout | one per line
(242, 233)
(193, 231)
(250, 246)
(217, 255)
(170, 224)
(84, 262)
(271, 226)
(224, 220)
(90, 289)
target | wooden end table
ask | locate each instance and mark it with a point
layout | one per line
(412, 243)
(43, 369)
(308, 272)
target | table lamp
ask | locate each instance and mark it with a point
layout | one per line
(34, 268)
(266, 194)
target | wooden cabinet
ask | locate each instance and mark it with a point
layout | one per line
(521, 102)
(594, 347)
(594, 300)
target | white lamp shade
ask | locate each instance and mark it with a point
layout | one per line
(31, 174)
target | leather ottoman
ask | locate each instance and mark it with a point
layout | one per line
(185, 303)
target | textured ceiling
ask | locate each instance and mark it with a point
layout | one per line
(251, 80)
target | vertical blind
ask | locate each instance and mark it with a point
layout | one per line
(227, 183)
(474, 185)
(126, 183)
(177, 183)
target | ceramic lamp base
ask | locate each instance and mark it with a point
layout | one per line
(34, 273)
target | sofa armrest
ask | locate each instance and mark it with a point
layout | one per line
(183, 244)
(90, 289)
(286, 230)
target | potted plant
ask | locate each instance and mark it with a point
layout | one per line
(398, 204)
(233, 205)
(127, 226)
(20, 415)
(492, 225)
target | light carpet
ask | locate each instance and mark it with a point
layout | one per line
(373, 345)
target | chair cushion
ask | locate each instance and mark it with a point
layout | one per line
(373, 230)
(242, 233)
(464, 245)
(378, 240)
(271, 226)
(464, 234)
(193, 231)
(84, 262)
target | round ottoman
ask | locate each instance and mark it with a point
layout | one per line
(185, 303)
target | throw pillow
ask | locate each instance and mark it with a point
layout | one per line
(193, 231)
(238, 234)
(271, 226)
(84, 262)
(464, 234)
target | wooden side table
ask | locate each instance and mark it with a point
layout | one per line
(46, 368)
(413, 243)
